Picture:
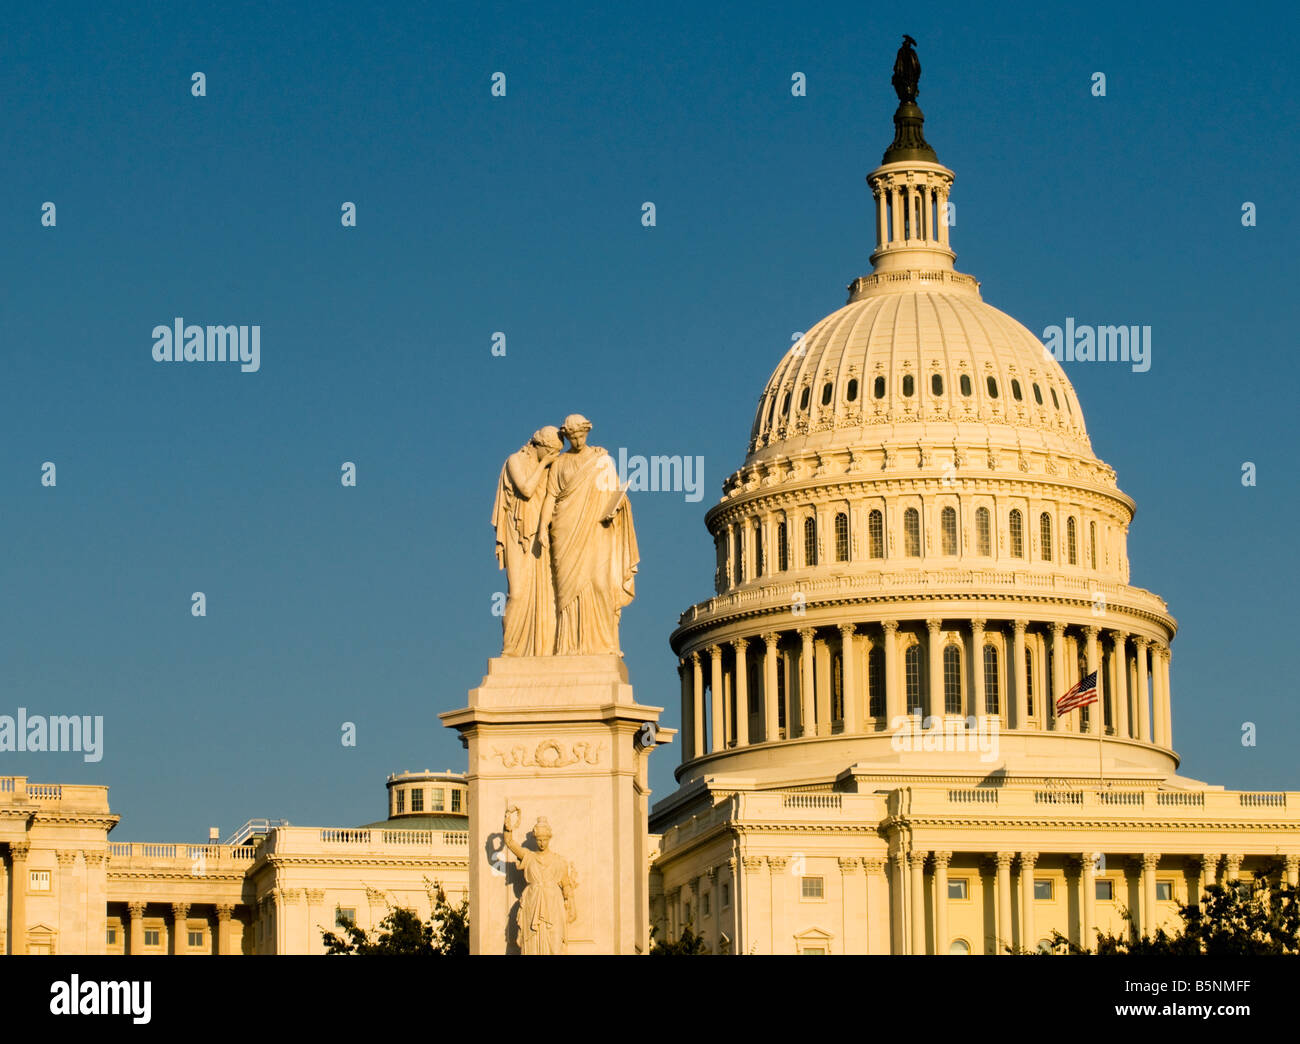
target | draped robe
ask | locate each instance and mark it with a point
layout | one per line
(529, 623)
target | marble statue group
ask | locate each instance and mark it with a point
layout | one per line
(566, 541)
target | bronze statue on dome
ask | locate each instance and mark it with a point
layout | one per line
(907, 71)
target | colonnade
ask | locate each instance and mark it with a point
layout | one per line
(909, 209)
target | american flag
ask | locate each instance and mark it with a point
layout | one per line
(1084, 693)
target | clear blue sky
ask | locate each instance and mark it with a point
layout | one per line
(522, 214)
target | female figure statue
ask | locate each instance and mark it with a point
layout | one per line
(546, 909)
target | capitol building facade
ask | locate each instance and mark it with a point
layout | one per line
(918, 557)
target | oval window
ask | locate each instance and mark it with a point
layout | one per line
(785, 405)
(965, 384)
(993, 388)
(826, 394)
(1038, 395)
(936, 384)
(803, 399)
(1015, 390)
(852, 391)
(880, 387)
(909, 384)
(1054, 399)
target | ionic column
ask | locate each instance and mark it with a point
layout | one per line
(179, 937)
(917, 862)
(893, 691)
(222, 929)
(1143, 699)
(1028, 932)
(1089, 906)
(977, 668)
(742, 693)
(1164, 730)
(937, 708)
(1003, 860)
(941, 860)
(697, 706)
(717, 729)
(806, 688)
(771, 722)
(1119, 681)
(1149, 861)
(18, 853)
(1019, 703)
(688, 713)
(1095, 711)
(849, 679)
(1058, 674)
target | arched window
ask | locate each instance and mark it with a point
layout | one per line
(1092, 544)
(1015, 390)
(951, 679)
(837, 687)
(948, 523)
(827, 389)
(912, 670)
(810, 541)
(1055, 402)
(876, 533)
(1038, 395)
(936, 384)
(739, 551)
(912, 533)
(785, 404)
(782, 548)
(758, 548)
(782, 665)
(983, 536)
(876, 681)
(852, 391)
(1029, 682)
(1017, 534)
(1072, 540)
(841, 537)
(993, 388)
(771, 410)
(965, 384)
(803, 398)
(992, 690)
(909, 384)
(879, 387)
(959, 948)
(1045, 535)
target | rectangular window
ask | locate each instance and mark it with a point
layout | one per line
(814, 951)
(39, 881)
(704, 905)
(110, 937)
(195, 939)
(152, 937)
(726, 896)
(812, 888)
(401, 802)
(41, 949)
(455, 800)
(1106, 891)
(958, 888)
(417, 799)
(1164, 891)
(1042, 889)
(437, 799)
(344, 916)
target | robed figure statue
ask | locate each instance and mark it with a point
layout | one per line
(546, 909)
(593, 545)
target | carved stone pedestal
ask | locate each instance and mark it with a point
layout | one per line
(560, 738)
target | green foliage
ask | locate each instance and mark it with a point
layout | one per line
(689, 945)
(402, 934)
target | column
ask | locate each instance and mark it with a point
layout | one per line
(1291, 865)
(936, 678)
(781, 943)
(893, 691)
(822, 656)
(771, 725)
(977, 669)
(688, 712)
(135, 928)
(896, 211)
(917, 864)
(806, 724)
(882, 217)
(1231, 869)
(742, 693)
(222, 929)
(923, 195)
(874, 868)
(897, 905)
(180, 938)
(1058, 685)
(71, 921)
(941, 210)
(717, 734)
(1143, 701)
(941, 860)
(1119, 681)
(1018, 702)
(1028, 930)
(1095, 712)
(1088, 879)
(697, 706)
(18, 852)
(849, 679)
(1003, 862)
(1209, 874)
(1163, 716)
(1149, 861)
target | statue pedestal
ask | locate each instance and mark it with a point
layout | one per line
(560, 737)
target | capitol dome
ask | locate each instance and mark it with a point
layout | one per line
(920, 543)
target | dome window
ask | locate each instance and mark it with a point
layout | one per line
(983, 538)
(1072, 540)
(785, 405)
(851, 393)
(951, 679)
(1017, 534)
(912, 533)
(965, 385)
(993, 388)
(876, 534)
(809, 541)
(1015, 390)
(909, 385)
(1068, 408)
(1045, 535)
(826, 393)
(936, 384)
(841, 537)
(803, 398)
(782, 549)
(1038, 394)
(948, 524)
(880, 388)
(1055, 401)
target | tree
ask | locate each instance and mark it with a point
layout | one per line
(402, 934)
(689, 945)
